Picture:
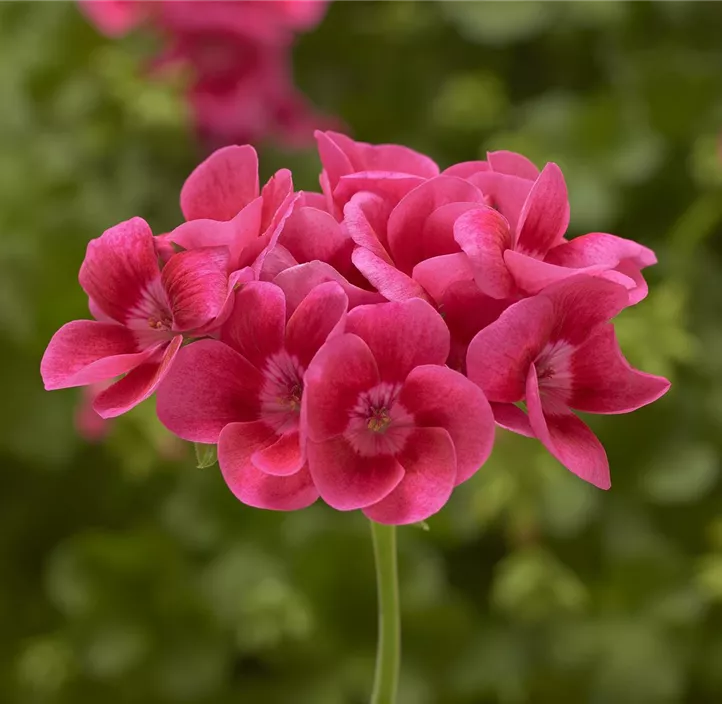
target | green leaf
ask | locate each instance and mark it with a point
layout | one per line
(206, 455)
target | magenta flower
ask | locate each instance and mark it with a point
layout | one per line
(244, 392)
(519, 248)
(556, 352)
(142, 314)
(391, 429)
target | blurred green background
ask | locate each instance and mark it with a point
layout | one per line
(129, 576)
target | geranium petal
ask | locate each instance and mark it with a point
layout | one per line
(310, 234)
(438, 273)
(512, 418)
(209, 386)
(604, 382)
(221, 186)
(365, 217)
(347, 480)
(511, 163)
(401, 336)
(441, 398)
(391, 283)
(120, 267)
(137, 385)
(282, 458)
(567, 438)
(429, 464)
(499, 356)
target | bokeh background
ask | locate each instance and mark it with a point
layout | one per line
(127, 575)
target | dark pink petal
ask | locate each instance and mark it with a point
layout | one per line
(386, 278)
(603, 380)
(365, 218)
(505, 193)
(257, 325)
(221, 186)
(533, 275)
(429, 464)
(274, 195)
(120, 267)
(313, 200)
(209, 386)
(86, 351)
(401, 336)
(513, 164)
(278, 259)
(255, 255)
(394, 157)
(466, 169)
(320, 315)
(484, 236)
(438, 397)
(282, 458)
(581, 304)
(342, 369)
(346, 480)
(466, 310)
(512, 418)
(631, 271)
(310, 234)
(408, 218)
(567, 438)
(438, 273)
(297, 281)
(137, 385)
(600, 248)
(236, 445)
(196, 283)
(500, 355)
(545, 216)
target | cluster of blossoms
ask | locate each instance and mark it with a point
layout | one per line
(238, 53)
(361, 344)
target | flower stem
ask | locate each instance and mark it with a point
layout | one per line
(388, 654)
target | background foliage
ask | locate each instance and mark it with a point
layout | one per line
(130, 576)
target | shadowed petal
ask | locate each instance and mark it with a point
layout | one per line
(441, 398)
(505, 193)
(196, 283)
(120, 267)
(499, 356)
(401, 336)
(512, 418)
(429, 464)
(209, 386)
(567, 438)
(257, 325)
(310, 234)
(604, 382)
(320, 315)
(221, 186)
(137, 385)
(346, 480)
(365, 217)
(86, 351)
(438, 273)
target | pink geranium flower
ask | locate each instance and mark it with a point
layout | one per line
(142, 314)
(518, 247)
(244, 392)
(556, 352)
(391, 429)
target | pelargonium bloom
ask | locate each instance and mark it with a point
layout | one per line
(142, 314)
(555, 352)
(391, 430)
(245, 390)
(518, 247)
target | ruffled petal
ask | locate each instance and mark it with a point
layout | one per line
(282, 458)
(391, 283)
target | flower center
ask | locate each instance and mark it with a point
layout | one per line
(159, 322)
(379, 421)
(554, 373)
(282, 392)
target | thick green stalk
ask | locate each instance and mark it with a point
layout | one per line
(388, 654)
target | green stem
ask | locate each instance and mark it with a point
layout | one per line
(388, 654)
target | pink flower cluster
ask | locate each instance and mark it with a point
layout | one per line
(361, 343)
(239, 55)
